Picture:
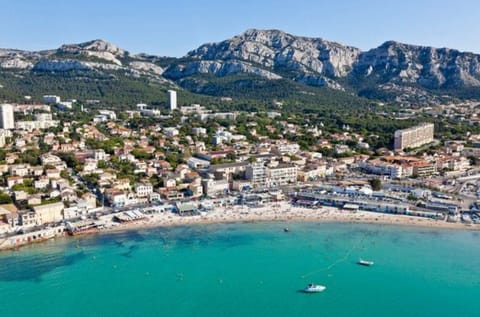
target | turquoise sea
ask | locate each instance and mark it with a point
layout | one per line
(248, 269)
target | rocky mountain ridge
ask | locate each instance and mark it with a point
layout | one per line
(272, 55)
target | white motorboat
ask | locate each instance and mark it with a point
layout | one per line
(365, 263)
(314, 288)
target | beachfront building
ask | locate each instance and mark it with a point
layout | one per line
(213, 187)
(227, 170)
(281, 174)
(414, 137)
(256, 174)
(143, 190)
(274, 175)
(49, 213)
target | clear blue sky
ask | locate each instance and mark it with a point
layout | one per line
(174, 27)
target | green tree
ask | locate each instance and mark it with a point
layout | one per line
(5, 198)
(375, 183)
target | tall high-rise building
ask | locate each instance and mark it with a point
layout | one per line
(6, 117)
(414, 137)
(172, 100)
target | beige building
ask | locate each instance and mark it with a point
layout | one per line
(271, 176)
(414, 137)
(281, 174)
(49, 212)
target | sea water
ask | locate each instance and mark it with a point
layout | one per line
(247, 269)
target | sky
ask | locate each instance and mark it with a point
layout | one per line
(174, 27)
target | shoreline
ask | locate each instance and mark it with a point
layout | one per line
(277, 212)
(284, 212)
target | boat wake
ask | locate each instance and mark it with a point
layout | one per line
(338, 261)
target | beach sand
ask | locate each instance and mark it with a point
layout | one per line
(282, 211)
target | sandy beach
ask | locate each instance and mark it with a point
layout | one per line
(282, 211)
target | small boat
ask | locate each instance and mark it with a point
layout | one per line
(365, 263)
(286, 229)
(314, 288)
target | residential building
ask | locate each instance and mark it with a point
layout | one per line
(256, 174)
(143, 190)
(7, 121)
(281, 174)
(214, 187)
(43, 116)
(197, 163)
(414, 137)
(49, 213)
(423, 168)
(51, 99)
(170, 132)
(172, 100)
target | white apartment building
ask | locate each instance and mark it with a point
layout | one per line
(273, 176)
(414, 137)
(170, 132)
(172, 100)
(51, 99)
(257, 175)
(36, 125)
(7, 121)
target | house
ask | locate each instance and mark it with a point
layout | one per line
(90, 200)
(116, 198)
(36, 171)
(20, 195)
(42, 183)
(14, 180)
(90, 166)
(196, 188)
(197, 163)
(33, 200)
(122, 184)
(19, 170)
(169, 182)
(69, 195)
(53, 173)
(170, 132)
(29, 218)
(9, 214)
(143, 190)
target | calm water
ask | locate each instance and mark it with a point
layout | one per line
(247, 270)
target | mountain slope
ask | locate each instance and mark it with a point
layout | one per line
(258, 64)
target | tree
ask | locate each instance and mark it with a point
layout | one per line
(375, 183)
(102, 164)
(69, 158)
(5, 198)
